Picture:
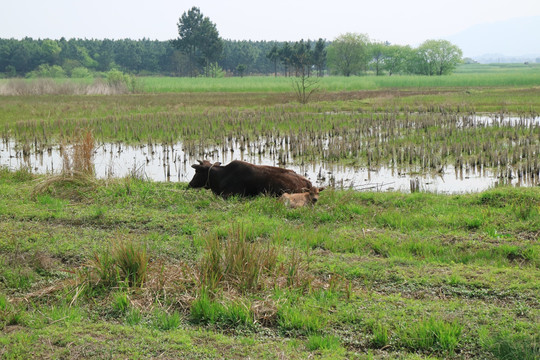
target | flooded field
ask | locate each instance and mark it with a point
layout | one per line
(173, 163)
(440, 151)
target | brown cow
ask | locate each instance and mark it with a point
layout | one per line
(245, 179)
(303, 199)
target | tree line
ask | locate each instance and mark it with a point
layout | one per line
(199, 51)
(75, 57)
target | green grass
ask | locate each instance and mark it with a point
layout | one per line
(505, 345)
(432, 335)
(364, 280)
(317, 342)
(465, 76)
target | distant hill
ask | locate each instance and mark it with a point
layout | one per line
(514, 40)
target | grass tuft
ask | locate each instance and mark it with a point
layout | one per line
(165, 321)
(323, 342)
(432, 335)
(236, 261)
(513, 346)
(132, 260)
(381, 337)
(123, 262)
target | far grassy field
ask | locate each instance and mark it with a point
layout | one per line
(465, 76)
(524, 78)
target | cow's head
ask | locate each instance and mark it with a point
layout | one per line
(314, 193)
(201, 177)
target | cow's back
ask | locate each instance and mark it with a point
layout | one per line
(247, 179)
(279, 181)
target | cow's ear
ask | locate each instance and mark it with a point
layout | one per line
(197, 167)
(321, 188)
(200, 162)
(305, 189)
(217, 163)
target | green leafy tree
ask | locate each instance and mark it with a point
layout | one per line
(378, 53)
(198, 39)
(51, 51)
(396, 58)
(348, 54)
(438, 57)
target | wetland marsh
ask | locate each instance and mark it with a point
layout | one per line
(130, 263)
(450, 149)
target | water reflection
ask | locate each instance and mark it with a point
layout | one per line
(173, 163)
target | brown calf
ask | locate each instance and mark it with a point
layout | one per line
(302, 199)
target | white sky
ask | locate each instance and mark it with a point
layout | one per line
(398, 21)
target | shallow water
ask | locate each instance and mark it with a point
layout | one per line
(172, 163)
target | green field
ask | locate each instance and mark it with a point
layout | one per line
(131, 268)
(466, 76)
(361, 275)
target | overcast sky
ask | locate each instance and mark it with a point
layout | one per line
(398, 21)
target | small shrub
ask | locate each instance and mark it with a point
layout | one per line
(47, 71)
(122, 83)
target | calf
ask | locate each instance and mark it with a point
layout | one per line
(303, 199)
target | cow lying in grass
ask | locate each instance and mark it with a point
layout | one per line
(308, 198)
(245, 179)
